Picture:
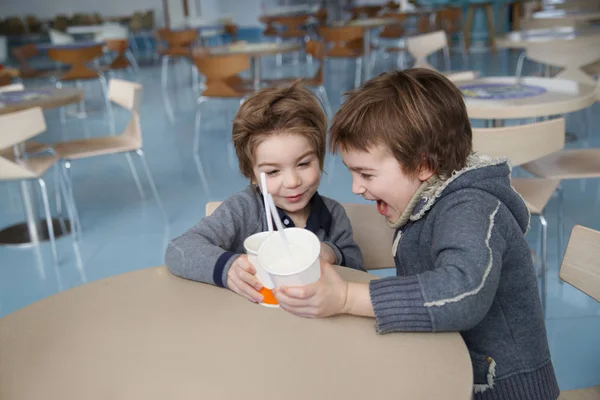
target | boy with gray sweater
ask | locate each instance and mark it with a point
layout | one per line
(280, 132)
(462, 261)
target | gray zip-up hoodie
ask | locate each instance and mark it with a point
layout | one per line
(463, 265)
(206, 251)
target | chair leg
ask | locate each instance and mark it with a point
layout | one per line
(57, 190)
(140, 153)
(543, 259)
(323, 92)
(278, 56)
(560, 225)
(468, 27)
(196, 144)
(134, 64)
(107, 103)
(70, 206)
(164, 73)
(446, 51)
(520, 61)
(82, 109)
(49, 224)
(463, 49)
(134, 173)
(357, 72)
(75, 223)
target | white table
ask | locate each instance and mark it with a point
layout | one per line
(520, 39)
(567, 15)
(150, 335)
(550, 97)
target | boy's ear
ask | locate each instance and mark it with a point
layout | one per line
(424, 172)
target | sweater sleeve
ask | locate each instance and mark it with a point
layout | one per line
(341, 239)
(468, 243)
(206, 251)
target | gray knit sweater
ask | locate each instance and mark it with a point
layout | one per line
(206, 251)
(463, 265)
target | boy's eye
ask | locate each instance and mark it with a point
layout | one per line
(304, 164)
(272, 173)
(366, 176)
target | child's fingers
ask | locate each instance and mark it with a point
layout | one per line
(283, 298)
(300, 292)
(246, 265)
(250, 279)
(247, 291)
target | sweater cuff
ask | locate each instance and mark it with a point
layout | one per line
(222, 267)
(339, 256)
(399, 305)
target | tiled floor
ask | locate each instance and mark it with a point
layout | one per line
(122, 232)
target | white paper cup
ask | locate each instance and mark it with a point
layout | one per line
(251, 245)
(302, 268)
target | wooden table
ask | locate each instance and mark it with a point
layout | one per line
(150, 335)
(255, 51)
(520, 39)
(530, 97)
(33, 229)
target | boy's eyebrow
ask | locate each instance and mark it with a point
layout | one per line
(359, 169)
(266, 164)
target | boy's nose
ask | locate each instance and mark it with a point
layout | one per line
(356, 188)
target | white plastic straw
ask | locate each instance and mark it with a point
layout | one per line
(279, 225)
(263, 188)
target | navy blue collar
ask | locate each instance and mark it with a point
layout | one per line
(319, 217)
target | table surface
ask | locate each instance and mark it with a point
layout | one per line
(577, 15)
(520, 39)
(44, 97)
(556, 97)
(150, 335)
(370, 22)
(75, 45)
(256, 49)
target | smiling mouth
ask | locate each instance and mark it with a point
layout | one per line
(295, 198)
(382, 207)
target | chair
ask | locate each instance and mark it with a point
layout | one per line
(292, 28)
(450, 21)
(581, 264)
(347, 42)
(571, 57)
(59, 38)
(394, 33)
(371, 233)
(16, 129)
(78, 59)
(222, 82)
(123, 58)
(422, 46)
(368, 11)
(522, 144)
(179, 46)
(316, 50)
(25, 53)
(129, 96)
(488, 7)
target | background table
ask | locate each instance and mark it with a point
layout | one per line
(33, 229)
(255, 51)
(150, 335)
(520, 39)
(544, 97)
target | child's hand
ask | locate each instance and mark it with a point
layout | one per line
(242, 280)
(324, 298)
(327, 254)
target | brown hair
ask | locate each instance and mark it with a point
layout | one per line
(417, 113)
(292, 109)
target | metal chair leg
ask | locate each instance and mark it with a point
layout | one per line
(49, 223)
(543, 259)
(75, 223)
(57, 194)
(357, 72)
(140, 153)
(560, 225)
(136, 177)
(196, 143)
(108, 104)
(520, 61)
(71, 208)
(323, 92)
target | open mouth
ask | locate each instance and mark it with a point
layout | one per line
(382, 207)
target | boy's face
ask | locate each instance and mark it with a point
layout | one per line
(292, 169)
(377, 176)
